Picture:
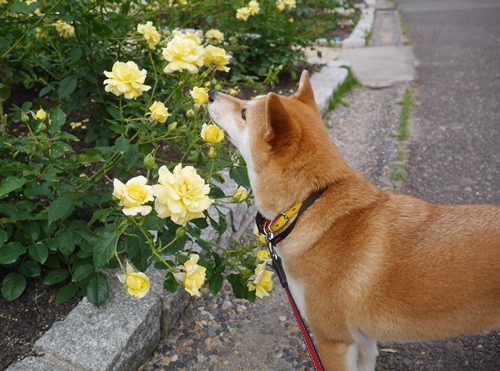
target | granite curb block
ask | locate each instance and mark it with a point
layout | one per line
(358, 36)
(122, 334)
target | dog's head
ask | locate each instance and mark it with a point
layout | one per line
(283, 140)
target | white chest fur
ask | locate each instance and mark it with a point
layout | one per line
(296, 289)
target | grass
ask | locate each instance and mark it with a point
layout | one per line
(347, 86)
(398, 172)
(403, 132)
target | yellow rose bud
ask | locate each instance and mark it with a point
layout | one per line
(172, 127)
(137, 283)
(211, 133)
(200, 95)
(24, 117)
(240, 195)
(212, 153)
(41, 115)
(180, 232)
(190, 113)
(149, 161)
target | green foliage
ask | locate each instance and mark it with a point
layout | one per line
(58, 219)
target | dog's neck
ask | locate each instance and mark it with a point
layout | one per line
(278, 188)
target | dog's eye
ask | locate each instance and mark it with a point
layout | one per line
(243, 114)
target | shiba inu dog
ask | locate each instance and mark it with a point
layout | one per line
(362, 264)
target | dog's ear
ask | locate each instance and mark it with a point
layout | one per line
(279, 124)
(305, 93)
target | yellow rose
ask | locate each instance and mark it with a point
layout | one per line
(263, 256)
(133, 195)
(150, 33)
(137, 283)
(40, 33)
(200, 95)
(214, 36)
(240, 195)
(290, 4)
(254, 8)
(193, 276)
(40, 115)
(261, 238)
(181, 195)
(243, 13)
(65, 30)
(261, 281)
(280, 4)
(212, 133)
(213, 55)
(183, 52)
(126, 79)
(159, 112)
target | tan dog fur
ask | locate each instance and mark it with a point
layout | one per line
(363, 265)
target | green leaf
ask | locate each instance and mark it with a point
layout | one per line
(3, 237)
(66, 293)
(4, 92)
(99, 215)
(45, 90)
(9, 253)
(67, 86)
(11, 184)
(30, 269)
(82, 271)
(131, 156)
(57, 120)
(75, 53)
(139, 252)
(56, 276)
(85, 239)
(13, 286)
(31, 230)
(39, 252)
(240, 175)
(240, 288)
(170, 284)
(97, 290)
(60, 208)
(122, 144)
(216, 192)
(66, 242)
(104, 247)
(215, 284)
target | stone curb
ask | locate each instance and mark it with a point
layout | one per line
(122, 334)
(358, 36)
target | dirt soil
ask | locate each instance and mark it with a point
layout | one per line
(25, 320)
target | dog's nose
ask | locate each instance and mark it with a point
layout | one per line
(212, 95)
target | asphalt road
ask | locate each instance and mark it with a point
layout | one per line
(453, 154)
(454, 150)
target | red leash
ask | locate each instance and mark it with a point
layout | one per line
(318, 366)
(263, 227)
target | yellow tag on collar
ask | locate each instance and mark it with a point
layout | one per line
(283, 219)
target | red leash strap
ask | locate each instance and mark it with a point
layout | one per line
(318, 366)
(264, 229)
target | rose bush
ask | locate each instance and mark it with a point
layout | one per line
(107, 157)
